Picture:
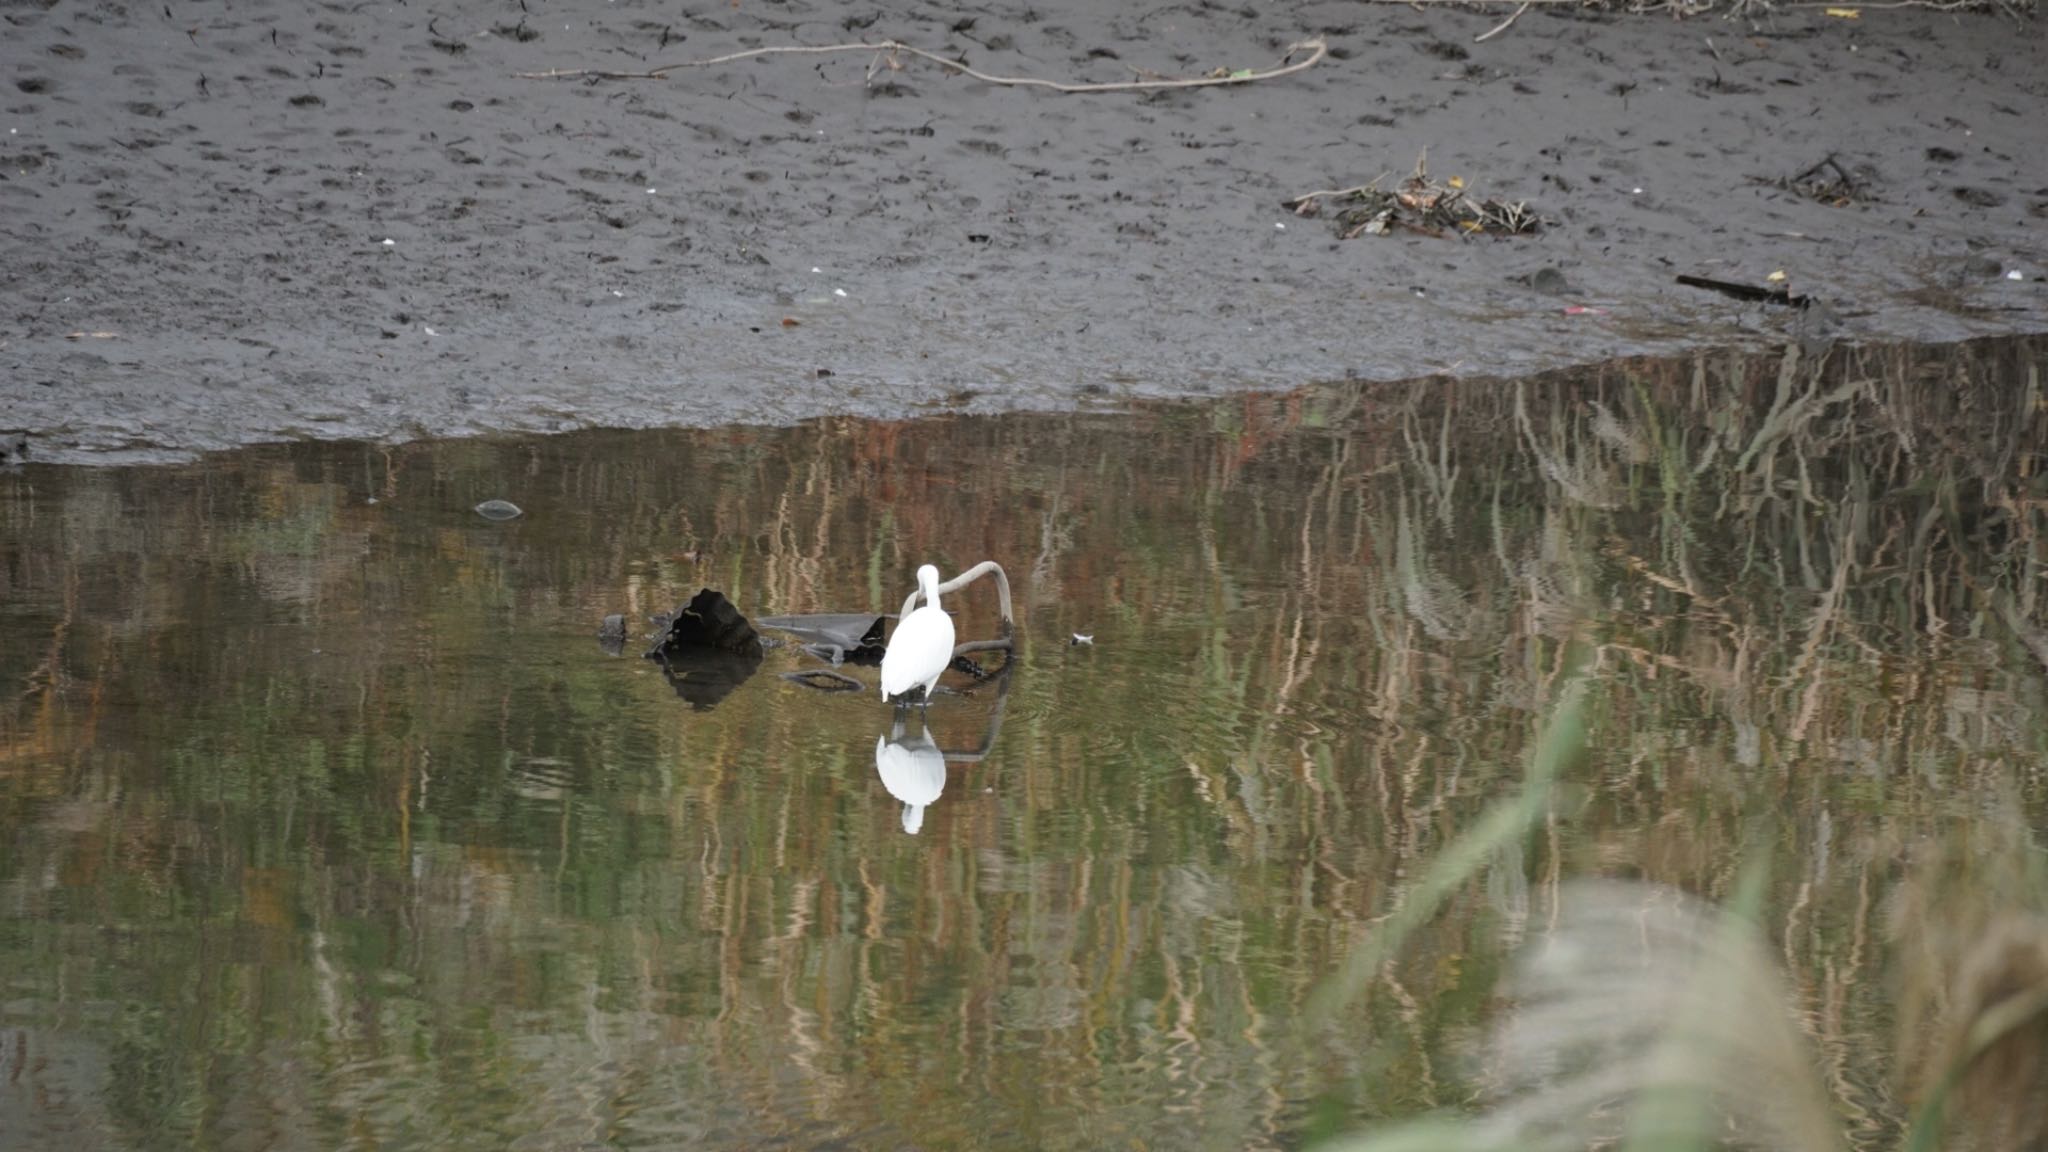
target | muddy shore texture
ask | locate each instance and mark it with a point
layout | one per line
(230, 222)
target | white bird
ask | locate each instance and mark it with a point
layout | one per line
(922, 645)
(914, 771)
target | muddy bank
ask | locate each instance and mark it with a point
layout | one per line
(222, 224)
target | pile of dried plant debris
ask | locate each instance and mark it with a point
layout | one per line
(1420, 204)
(1829, 183)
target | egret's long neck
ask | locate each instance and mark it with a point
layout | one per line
(931, 593)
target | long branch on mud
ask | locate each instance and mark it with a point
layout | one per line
(1288, 66)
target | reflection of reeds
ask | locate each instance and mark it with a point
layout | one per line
(1970, 923)
(1993, 1058)
(1463, 858)
(1645, 1018)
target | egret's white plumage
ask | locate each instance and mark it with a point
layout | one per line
(914, 771)
(922, 645)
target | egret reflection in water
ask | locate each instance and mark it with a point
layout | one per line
(913, 769)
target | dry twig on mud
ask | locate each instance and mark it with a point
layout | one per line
(1315, 47)
(1503, 26)
(1306, 203)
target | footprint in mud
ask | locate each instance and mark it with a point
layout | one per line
(1061, 35)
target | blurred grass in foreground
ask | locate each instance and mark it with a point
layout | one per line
(1648, 1019)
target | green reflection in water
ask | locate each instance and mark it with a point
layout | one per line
(325, 823)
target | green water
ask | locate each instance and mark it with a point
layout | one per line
(325, 822)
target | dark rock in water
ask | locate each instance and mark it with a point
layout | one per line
(13, 448)
(611, 635)
(708, 622)
(709, 650)
(499, 510)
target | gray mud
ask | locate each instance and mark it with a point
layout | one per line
(197, 200)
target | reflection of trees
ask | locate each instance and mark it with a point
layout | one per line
(416, 884)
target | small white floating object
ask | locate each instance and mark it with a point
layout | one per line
(2015, 274)
(429, 329)
(1281, 227)
(817, 271)
(922, 645)
(839, 291)
(499, 510)
(1080, 639)
(389, 242)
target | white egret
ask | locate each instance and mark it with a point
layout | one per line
(914, 771)
(922, 645)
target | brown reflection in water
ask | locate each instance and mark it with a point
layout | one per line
(328, 824)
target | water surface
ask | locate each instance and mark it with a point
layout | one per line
(325, 822)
